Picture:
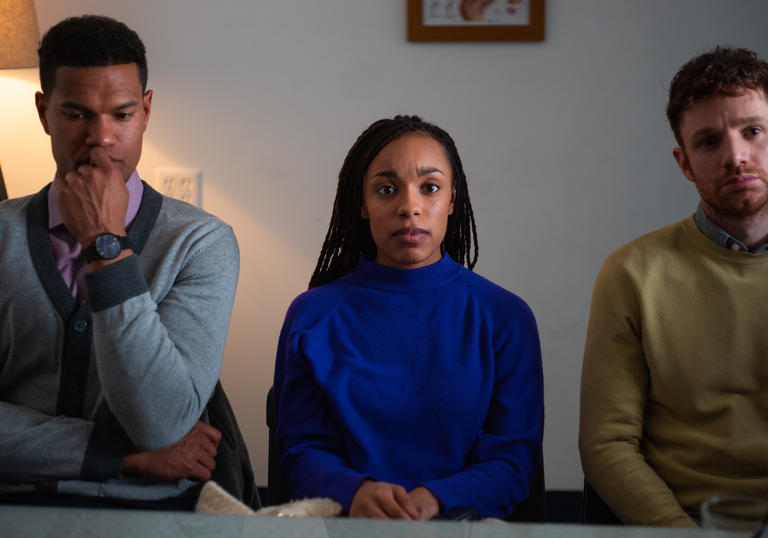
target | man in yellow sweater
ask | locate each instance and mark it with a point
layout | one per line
(674, 389)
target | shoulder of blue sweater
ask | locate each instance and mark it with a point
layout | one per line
(494, 297)
(313, 305)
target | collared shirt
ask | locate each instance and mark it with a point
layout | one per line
(69, 255)
(713, 232)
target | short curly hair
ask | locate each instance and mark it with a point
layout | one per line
(722, 71)
(89, 41)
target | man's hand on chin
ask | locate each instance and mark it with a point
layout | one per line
(93, 199)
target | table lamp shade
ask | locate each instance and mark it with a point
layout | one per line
(18, 34)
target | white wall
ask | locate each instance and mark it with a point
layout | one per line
(565, 144)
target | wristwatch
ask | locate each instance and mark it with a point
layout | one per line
(106, 247)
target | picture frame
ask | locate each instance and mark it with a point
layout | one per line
(476, 20)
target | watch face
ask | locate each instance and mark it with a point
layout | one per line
(108, 246)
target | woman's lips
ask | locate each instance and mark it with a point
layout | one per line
(411, 234)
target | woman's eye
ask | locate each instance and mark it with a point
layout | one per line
(431, 188)
(386, 190)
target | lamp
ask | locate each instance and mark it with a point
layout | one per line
(18, 28)
(18, 42)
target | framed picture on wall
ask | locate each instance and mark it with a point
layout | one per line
(475, 20)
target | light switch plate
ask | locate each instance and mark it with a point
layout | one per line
(183, 183)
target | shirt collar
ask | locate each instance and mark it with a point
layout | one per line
(716, 234)
(135, 193)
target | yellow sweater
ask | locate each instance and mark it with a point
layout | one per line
(674, 387)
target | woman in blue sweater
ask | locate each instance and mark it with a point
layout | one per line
(405, 384)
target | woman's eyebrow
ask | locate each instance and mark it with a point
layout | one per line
(385, 173)
(428, 170)
(425, 171)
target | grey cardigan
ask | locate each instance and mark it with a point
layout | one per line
(135, 365)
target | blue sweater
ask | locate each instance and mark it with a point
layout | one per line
(428, 376)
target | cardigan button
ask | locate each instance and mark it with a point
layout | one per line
(80, 325)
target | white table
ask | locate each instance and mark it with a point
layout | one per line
(29, 521)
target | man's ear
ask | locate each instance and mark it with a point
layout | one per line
(682, 161)
(41, 103)
(146, 103)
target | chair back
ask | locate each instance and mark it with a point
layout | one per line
(278, 491)
(594, 511)
(233, 470)
(534, 508)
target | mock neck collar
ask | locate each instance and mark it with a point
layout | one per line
(373, 275)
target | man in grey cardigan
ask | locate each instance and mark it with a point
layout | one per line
(114, 301)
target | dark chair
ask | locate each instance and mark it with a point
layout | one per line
(278, 491)
(233, 470)
(594, 511)
(533, 509)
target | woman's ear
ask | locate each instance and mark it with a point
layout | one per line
(363, 212)
(453, 201)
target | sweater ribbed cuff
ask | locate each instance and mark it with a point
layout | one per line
(115, 283)
(347, 488)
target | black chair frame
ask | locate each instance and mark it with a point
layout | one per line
(594, 510)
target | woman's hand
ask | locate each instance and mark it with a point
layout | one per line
(425, 502)
(382, 500)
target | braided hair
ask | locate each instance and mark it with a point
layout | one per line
(349, 235)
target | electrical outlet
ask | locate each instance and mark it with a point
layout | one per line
(183, 183)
